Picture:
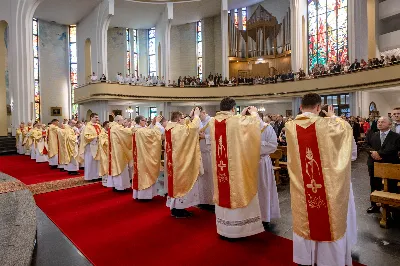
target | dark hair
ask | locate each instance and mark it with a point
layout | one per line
(261, 115)
(175, 116)
(54, 120)
(310, 100)
(227, 104)
(323, 108)
(138, 118)
(105, 123)
(92, 115)
(163, 120)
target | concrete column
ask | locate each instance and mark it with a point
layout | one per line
(371, 13)
(296, 102)
(298, 9)
(167, 56)
(225, 42)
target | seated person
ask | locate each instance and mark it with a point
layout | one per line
(103, 78)
(127, 79)
(93, 77)
(393, 59)
(363, 64)
(355, 66)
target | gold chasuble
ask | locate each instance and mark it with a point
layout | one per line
(103, 153)
(319, 164)
(62, 146)
(90, 132)
(20, 135)
(183, 156)
(70, 143)
(235, 154)
(42, 144)
(52, 141)
(36, 135)
(120, 149)
(146, 157)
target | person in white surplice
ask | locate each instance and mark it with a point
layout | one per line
(267, 191)
(206, 185)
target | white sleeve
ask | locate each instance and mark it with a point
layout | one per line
(269, 144)
(161, 128)
(354, 151)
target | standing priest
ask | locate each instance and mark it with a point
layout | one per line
(182, 163)
(235, 153)
(319, 164)
(52, 143)
(89, 148)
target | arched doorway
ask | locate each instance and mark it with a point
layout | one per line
(88, 113)
(4, 79)
(88, 60)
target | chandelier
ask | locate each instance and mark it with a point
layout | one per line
(261, 109)
(129, 110)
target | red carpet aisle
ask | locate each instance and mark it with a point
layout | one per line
(28, 171)
(112, 229)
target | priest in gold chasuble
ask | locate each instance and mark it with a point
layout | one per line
(71, 141)
(104, 151)
(19, 136)
(52, 143)
(89, 148)
(319, 165)
(63, 158)
(120, 154)
(35, 135)
(146, 150)
(27, 141)
(42, 147)
(235, 153)
(182, 163)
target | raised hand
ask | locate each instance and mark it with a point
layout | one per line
(330, 112)
(196, 112)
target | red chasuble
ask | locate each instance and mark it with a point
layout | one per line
(109, 149)
(168, 151)
(135, 180)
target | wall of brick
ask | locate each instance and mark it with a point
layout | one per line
(116, 52)
(54, 69)
(183, 51)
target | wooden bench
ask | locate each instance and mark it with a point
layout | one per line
(275, 157)
(284, 153)
(386, 171)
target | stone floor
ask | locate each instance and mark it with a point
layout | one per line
(376, 246)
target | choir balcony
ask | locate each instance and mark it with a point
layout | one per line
(340, 83)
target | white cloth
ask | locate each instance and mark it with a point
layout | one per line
(189, 200)
(107, 181)
(308, 252)
(122, 181)
(240, 222)
(206, 185)
(53, 160)
(267, 191)
(33, 152)
(20, 148)
(148, 193)
(61, 166)
(73, 166)
(41, 158)
(91, 165)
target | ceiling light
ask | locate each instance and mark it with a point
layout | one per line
(129, 110)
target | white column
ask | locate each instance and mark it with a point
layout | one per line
(224, 34)
(296, 102)
(170, 17)
(298, 9)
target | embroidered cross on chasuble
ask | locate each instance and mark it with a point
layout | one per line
(319, 164)
(235, 151)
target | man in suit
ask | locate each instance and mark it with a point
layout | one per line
(278, 125)
(383, 146)
(356, 128)
(396, 120)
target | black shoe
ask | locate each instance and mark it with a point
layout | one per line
(144, 200)
(229, 239)
(373, 209)
(53, 167)
(73, 173)
(82, 168)
(207, 207)
(182, 213)
(265, 225)
(62, 170)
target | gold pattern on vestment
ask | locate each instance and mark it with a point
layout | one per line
(103, 153)
(242, 132)
(121, 148)
(334, 137)
(52, 141)
(88, 135)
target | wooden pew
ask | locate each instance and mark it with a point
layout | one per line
(386, 171)
(275, 157)
(284, 153)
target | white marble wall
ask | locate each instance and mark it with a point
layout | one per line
(54, 79)
(116, 52)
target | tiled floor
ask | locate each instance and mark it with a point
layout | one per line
(376, 246)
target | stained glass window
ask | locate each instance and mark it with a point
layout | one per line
(36, 68)
(128, 52)
(199, 50)
(153, 112)
(135, 54)
(244, 18)
(236, 17)
(152, 52)
(73, 66)
(327, 31)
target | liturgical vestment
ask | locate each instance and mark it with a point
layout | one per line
(42, 147)
(53, 145)
(146, 143)
(182, 164)
(235, 154)
(63, 158)
(319, 165)
(89, 150)
(71, 143)
(20, 135)
(104, 155)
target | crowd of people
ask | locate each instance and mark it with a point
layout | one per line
(199, 151)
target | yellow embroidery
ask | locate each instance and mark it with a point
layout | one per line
(221, 148)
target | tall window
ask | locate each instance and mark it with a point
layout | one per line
(244, 18)
(35, 31)
(135, 54)
(137, 110)
(152, 52)
(153, 112)
(73, 67)
(340, 103)
(236, 13)
(128, 52)
(327, 31)
(199, 51)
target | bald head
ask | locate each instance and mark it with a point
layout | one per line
(384, 123)
(119, 119)
(72, 123)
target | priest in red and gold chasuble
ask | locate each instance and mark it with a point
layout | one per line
(319, 164)
(235, 152)
(146, 157)
(183, 156)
